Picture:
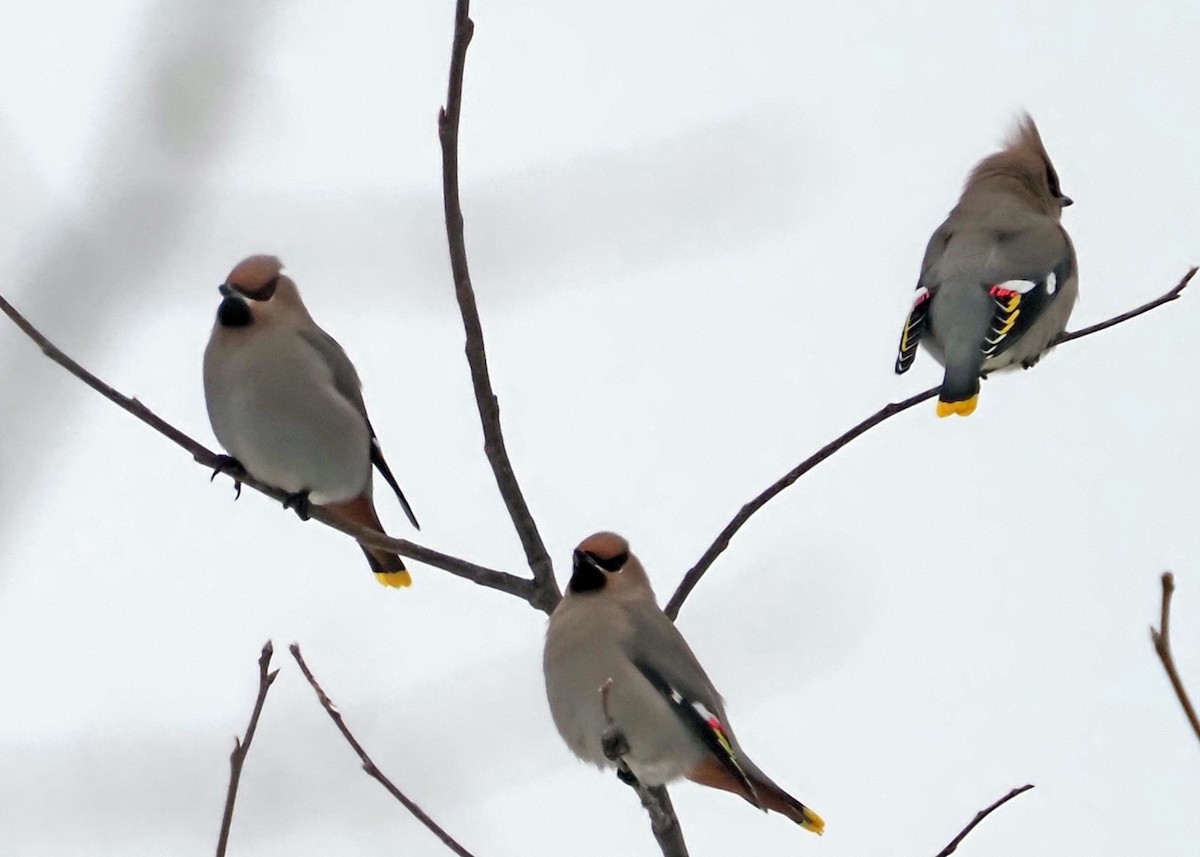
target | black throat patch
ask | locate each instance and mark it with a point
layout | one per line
(234, 312)
(585, 577)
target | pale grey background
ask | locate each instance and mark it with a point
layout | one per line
(694, 228)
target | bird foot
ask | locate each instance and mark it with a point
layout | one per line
(1030, 363)
(299, 503)
(232, 468)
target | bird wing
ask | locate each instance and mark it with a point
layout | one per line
(914, 327)
(915, 324)
(702, 722)
(667, 662)
(346, 382)
(345, 378)
(1038, 269)
(382, 466)
(655, 639)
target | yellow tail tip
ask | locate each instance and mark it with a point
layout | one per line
(963, 409)
(395, 579)
(813, 822)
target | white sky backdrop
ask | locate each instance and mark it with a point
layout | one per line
(694, 229)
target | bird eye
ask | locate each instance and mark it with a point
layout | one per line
(613, 563)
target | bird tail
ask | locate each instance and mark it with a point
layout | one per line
(765, 795)
(960, 389)
(388, 567)
(774, 798)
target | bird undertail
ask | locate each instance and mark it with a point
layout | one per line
(387, 567)
(766, 795)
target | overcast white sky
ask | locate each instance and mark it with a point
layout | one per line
(694, 230)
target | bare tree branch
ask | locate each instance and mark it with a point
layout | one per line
(240, 748)
(655, 799)
(1162, 645)
(521, 587)
(1171, 295)
(546, 593)
(718, 547)
(980, 816)
(888, 411)
(368, 765)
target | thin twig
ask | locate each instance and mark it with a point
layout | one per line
(546, 592)
(1173, 294)
(1162, 645)
(241, 747)
(521, 587)
(655, 799)
(714, 550)
(718, 547)
(368, 765)
(980, 816)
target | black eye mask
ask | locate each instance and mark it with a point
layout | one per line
(263, 293)
(612, 563)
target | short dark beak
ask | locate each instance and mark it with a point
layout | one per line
(583, 558)
(1065, 201)
(225, 290)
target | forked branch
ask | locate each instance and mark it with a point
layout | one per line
(546, 593)
(888, 411)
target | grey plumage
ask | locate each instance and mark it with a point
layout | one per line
(999, 277)
(286, 402)
(609, 627)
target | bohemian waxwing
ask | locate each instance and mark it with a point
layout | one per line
(608, 631)
(285, 402)
(999, 278)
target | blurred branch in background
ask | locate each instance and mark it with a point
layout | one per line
(171, 118)
(1162, 645)
(980, 816)
(545, 591)
(502, 581)
(886, 412)
(368, 765)
(237, 758)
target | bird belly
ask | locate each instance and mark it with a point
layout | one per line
(291, 432)
(661, 748)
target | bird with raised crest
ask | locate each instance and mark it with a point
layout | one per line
(999, 278)
(286, 403)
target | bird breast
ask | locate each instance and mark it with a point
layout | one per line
(274, 407)
(582, 654)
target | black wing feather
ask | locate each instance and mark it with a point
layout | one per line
(1015, 313)
(382, 466)
(914, 327)
(712, 738)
